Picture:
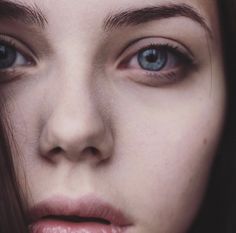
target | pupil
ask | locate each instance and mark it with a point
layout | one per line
(2, 52)
(7, 56)
(152, 59)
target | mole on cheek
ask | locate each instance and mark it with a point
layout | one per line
(205, 141)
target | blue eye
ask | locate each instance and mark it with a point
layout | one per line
(156, 61)
(152, 59)
(7, 56)
(10, 57)
(158, 58)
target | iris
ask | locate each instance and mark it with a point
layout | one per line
(8, 56)
(152, 59)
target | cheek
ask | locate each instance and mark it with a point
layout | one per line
(164, 153)
(162, 178)
(26, 106)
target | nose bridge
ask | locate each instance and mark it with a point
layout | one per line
(76, 125)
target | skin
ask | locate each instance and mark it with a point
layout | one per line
(154, 143)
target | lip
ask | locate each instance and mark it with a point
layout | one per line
(88, 206)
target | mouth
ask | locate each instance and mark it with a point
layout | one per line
(77, 219)
(85, 215)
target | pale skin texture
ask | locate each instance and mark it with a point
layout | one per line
(155, 144)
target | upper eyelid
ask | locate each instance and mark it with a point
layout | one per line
(166, 39)
(18, 44)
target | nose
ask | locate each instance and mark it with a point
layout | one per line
(76, 130)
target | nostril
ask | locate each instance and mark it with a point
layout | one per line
(56, 150)
(92, 150)
(52, 155)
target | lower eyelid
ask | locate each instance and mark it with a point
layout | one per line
(9, 76)
(154, 79)
(15, 74)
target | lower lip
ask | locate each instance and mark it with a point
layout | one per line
(58, 226)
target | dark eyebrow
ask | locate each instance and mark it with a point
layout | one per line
(27, 14)
(134, 17)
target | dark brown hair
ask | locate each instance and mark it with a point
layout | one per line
(12, 217)
(219, 207)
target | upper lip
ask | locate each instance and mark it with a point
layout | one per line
(86, 206)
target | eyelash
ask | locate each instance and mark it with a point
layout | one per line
(160, 77)
(146, 77)
(16, 72)
(8, 41)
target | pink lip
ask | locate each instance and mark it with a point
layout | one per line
(86, 206)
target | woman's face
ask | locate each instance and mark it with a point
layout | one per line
(116, 102)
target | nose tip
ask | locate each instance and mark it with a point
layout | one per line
(86, 137)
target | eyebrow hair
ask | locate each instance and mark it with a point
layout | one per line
(27, 14)
(135, 17)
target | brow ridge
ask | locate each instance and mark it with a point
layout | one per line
(133, 17)
(28, 14)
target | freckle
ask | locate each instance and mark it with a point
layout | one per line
(205, 141)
